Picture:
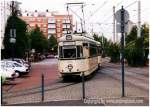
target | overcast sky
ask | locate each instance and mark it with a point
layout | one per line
(96, 11)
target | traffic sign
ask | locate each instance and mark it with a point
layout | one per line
(118, 28)
(118, 15)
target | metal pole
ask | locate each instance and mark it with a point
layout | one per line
(1, 91)
(139, 19)
(114, 24)
(122, 50)
(83, 86)
(42, 87)
(12, 51)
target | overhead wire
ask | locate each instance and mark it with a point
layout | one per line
(104, 3)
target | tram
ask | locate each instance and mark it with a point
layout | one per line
(77, 54)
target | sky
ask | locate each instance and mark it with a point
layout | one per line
(98, 13)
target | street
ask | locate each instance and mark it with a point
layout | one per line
(47, 67)
(104, 84)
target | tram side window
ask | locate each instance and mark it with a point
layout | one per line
(60, 52)
(93, 51)
(79, 52)
(99, 50)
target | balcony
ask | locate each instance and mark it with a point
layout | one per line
(51, 31)
(65, 31)
(66, 26)
(52, 26)
(66, 21)
(52, 21)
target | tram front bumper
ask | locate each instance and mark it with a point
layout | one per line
(79, 73)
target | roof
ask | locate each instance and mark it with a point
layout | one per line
(78, 37)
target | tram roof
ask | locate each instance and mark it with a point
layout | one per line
(78, 37)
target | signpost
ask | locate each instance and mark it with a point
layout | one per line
(13, 40)
(122, 17)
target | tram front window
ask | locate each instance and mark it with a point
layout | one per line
(70, 52)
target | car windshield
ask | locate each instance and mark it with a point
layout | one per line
(70, 52)
(2, 65)
(9, 64)
(17, 65)
(19, 61)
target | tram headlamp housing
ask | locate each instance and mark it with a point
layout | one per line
(68, 37)
(70, 67)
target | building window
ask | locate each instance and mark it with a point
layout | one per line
(44, 25)
(45, 30)
(32, 25)
(39, 25)
(38, 20)
(51, 31)
(58, 20)
(58, 29)
(45, 20)
(51, 26)
(58, 24)
(31, 19)
(59, 35)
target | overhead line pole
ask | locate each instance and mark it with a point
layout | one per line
(139, 19)
(114, 24)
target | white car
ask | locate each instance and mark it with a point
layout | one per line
(17, 67)
(21, 61)
(8, 74)
(56, 56)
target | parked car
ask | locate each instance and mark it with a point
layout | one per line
(56, 56)
(50, 56)
(21, 61)
(17, 67)
(8, 73)
(42, 57)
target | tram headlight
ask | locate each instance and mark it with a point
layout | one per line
(70, 67)
(68, 37)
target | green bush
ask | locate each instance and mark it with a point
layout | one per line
(134, 53)
(113, 52)
(3, 79)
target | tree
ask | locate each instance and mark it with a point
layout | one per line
(21, 37)
(114, 52)
(38, 41)
(52, 44)
(104, 43)
(132, 35)
(137, 49)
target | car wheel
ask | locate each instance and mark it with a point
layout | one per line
(18, 73)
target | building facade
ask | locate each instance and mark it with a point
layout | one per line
(5, 11)
(50, 24)
(41, 22)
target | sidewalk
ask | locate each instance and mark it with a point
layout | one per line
(122, 101)
(59, 103)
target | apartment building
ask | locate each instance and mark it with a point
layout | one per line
(50, 24)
